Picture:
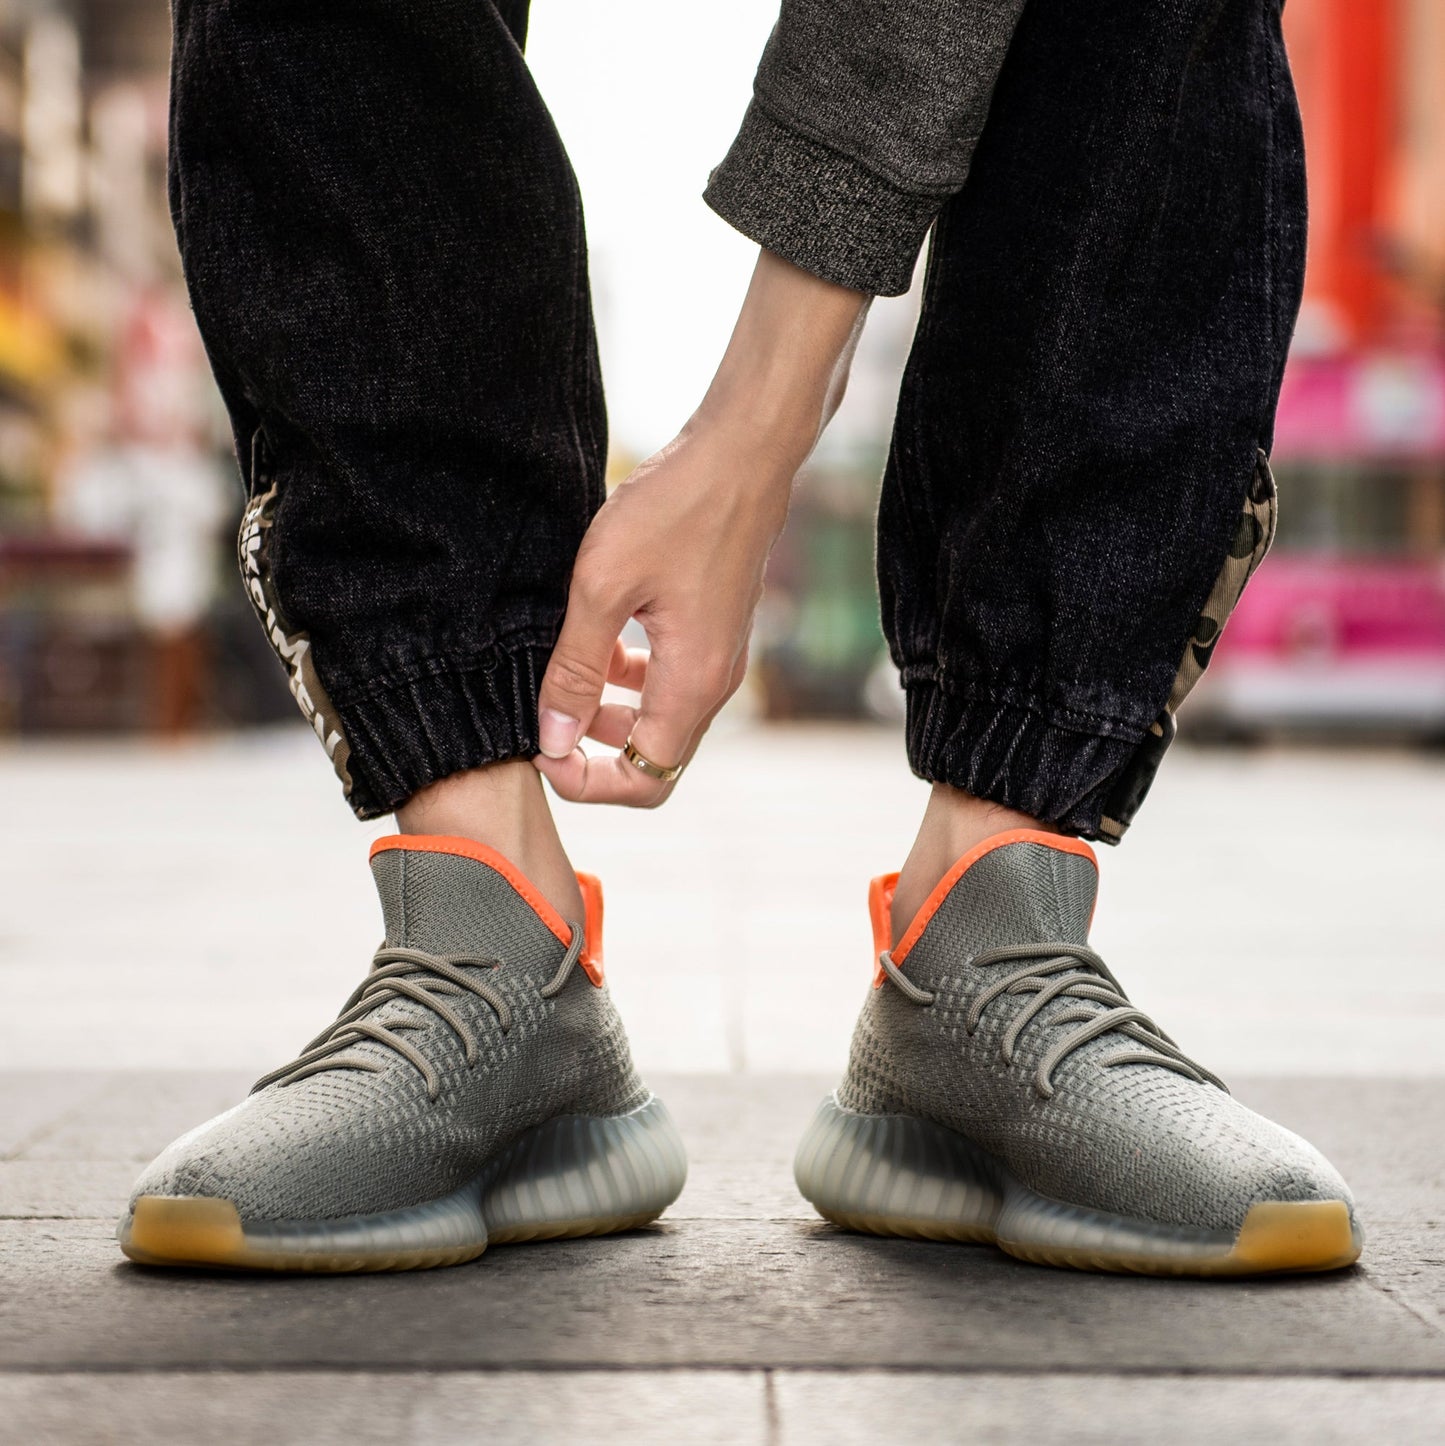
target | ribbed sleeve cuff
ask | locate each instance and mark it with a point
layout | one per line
(819, 209)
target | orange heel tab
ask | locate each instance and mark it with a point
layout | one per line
(591, 958)
(1061, 843)
(467, 848)
(880, 910)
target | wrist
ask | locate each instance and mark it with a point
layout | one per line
(767, 442)
(778, 422)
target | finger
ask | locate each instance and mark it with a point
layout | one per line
(700, 732)
(679, 698)
(604, 778)
(735, 682)
(628, 668)
(578, 668)
(609, 778)
(612, 724)
(678, 703)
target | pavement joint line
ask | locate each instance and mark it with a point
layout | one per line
(772, 1416)
(718, 1368)
(51, 1219)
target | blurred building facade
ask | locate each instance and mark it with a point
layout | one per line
(114, 494)
(1346, 624)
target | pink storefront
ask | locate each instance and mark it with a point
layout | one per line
(1344, 626)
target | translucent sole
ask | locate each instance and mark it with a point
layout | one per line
(897, 1175)
(573, 1176)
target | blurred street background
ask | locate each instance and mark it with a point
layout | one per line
(119, 613)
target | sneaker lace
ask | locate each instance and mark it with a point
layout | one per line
(398, 972)
(1063, 971)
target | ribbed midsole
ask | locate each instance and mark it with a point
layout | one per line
(921, 1175)
(587, 1168)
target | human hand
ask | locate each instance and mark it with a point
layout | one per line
(681, 545)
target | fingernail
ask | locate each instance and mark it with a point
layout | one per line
(559, 733)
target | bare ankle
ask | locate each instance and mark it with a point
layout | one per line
(503, 806)
(953, 823)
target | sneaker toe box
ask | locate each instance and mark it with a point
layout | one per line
(279, 1157)
(1176, 1153)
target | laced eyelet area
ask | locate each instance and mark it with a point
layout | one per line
(399, 972)
(1059, 970)
(553, 987)
(910, 990)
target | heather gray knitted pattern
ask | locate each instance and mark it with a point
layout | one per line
(863, 123)
(1133, 1139)
(350, 1142)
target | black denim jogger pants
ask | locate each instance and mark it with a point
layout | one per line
(384, 246)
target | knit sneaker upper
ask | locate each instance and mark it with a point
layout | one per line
(1120, 1122)
(448, 1062)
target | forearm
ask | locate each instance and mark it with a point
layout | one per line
(786, 365)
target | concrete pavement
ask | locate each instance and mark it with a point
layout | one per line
(172, 923)
(740, 1318)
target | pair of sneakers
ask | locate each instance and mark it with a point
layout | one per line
(478, 1088)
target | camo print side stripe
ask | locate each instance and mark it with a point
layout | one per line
(293, 648)
(1252, 538)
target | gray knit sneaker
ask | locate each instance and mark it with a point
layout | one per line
(1002, 1088)
(477, 1088)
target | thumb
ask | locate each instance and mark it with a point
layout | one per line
(576, 673)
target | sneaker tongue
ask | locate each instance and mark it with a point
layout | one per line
(453, 896)
(1020, 893)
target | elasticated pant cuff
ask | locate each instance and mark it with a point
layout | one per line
(1062, 772)
(456, 714)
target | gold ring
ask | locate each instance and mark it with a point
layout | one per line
(647, 766)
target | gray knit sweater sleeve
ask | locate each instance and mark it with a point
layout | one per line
(863, 122)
